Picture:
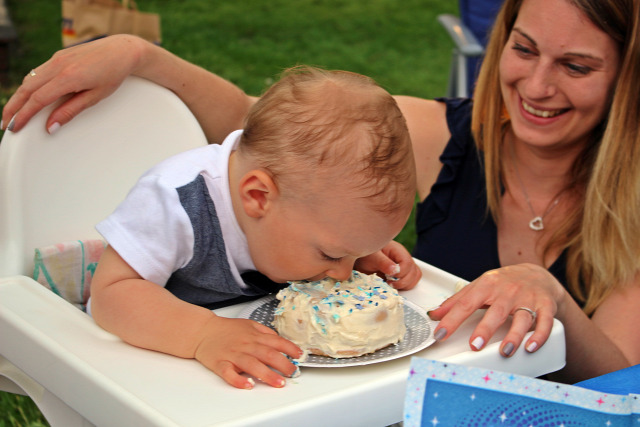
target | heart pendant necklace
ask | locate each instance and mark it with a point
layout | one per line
(537, 223)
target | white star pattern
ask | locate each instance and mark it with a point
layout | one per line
(435, 421)
(435, 394)
(503, 417)
(473, 397)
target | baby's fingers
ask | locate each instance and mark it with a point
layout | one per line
(408, 277)
(276, 342)
(257, 366)
(229, 373)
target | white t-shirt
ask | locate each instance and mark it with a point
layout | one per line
(177, 228)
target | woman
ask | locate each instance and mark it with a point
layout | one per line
(532, 192)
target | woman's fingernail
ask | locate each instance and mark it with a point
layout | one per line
(477, 343)
(1, 124)
(12, 123)
(250, 384)
(440, 333)
(53, 128)
(532, 346)
(508, 349)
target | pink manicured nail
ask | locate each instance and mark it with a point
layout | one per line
(532, 346)
(53, 128)
(477, 343)
(251, 383)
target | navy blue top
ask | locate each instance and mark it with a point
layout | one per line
(455, 232)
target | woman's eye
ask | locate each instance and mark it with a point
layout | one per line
(523, 50)
(578, 69)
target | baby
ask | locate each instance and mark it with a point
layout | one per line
(322, 175)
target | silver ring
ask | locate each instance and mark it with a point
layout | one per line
(32, 73)
(533, 314)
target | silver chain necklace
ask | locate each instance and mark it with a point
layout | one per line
(537, 223)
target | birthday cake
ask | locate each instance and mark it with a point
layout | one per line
(341, 319)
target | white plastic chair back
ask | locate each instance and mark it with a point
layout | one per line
(55, 188)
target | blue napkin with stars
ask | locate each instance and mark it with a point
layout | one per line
(444, 394)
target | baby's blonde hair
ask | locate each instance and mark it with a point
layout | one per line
(314, 120)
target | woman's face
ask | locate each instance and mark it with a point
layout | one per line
(557, 71)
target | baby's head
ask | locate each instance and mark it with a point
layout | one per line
(317, 128)
(337, 147)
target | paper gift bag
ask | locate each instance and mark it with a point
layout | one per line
(86, 20)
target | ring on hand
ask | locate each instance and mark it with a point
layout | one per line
(533, 314)
(32, 73)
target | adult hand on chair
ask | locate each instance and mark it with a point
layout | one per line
(85, 73)
(526, 292)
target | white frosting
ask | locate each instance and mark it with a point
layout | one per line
(341, 319)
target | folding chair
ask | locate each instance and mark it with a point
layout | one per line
(466, 46)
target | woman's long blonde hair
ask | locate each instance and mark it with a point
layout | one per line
(602, 232)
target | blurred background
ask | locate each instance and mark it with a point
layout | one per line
(250, 42)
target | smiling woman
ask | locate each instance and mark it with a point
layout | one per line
(556, 83)
(554, 119)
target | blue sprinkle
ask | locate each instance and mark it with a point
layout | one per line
(376, 304)
(359, 307)
(383, 296)
(359, 297)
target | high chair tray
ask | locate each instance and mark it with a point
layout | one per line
(108, 382)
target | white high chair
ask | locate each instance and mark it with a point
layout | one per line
(55, 188)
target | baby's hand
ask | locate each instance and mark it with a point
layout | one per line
(394, 263)
(230, 347)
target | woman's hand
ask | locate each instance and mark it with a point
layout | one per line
(393, 262)
(504, 292)
(231, 346)
(87, 73)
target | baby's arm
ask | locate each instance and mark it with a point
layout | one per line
(147, 315)
(394, 262)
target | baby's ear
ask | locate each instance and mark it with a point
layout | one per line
(257, 191)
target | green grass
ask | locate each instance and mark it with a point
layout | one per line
(20, 411)
(398, 43)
